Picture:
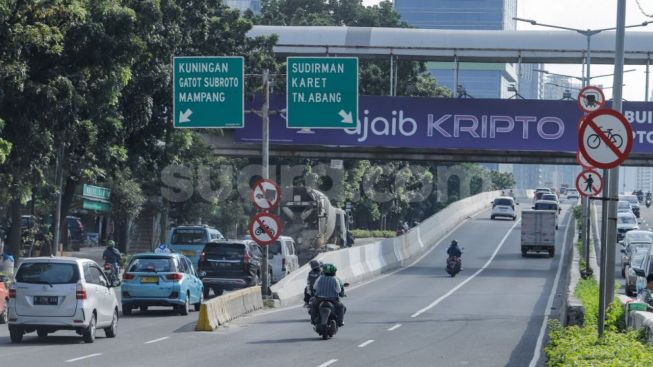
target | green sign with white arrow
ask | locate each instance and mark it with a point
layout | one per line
(322, 92)
(208, 92)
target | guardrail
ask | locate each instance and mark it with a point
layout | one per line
(360, 263)
(220, 310)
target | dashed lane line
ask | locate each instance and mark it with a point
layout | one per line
(456, 288)
(328, 363)
(83, 357)
(365, 344)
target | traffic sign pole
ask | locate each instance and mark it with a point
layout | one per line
(265, 168)
(606, 289)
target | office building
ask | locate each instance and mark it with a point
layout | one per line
(644, 179)
(242, 5)
(560, 87)
(478, 80)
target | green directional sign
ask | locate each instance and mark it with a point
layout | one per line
(322, 92)
(208, 92)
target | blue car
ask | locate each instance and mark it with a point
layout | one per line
(161, 280)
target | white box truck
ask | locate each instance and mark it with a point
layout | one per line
(538, 231)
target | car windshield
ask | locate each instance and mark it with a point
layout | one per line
(188, 236)
(549, 197)
(639, 246)
(626, 220)
(623, 205)
(545, 206)
(644, 237)
(151, 265)
(632, 199)
(226, 251)
(506, 202)
(275, 248)
(47, 273)
(638, 259)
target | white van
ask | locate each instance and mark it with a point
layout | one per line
(283, 258)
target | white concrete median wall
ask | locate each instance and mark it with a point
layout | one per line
(359, 263)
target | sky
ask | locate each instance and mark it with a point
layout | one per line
(587, 14)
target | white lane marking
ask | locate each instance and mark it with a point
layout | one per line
(397, 326)
(157, 340)
(84, 357)
(453, 290)
(549, 304)
(365, 344)
(328, 363)
(449, 232)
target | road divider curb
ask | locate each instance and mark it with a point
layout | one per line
(357, 264)
(220, 310)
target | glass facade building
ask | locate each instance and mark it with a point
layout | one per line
(458, 14)
(242, 5)
(478, 80)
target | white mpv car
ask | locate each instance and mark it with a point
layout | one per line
(504, 206)
(61, 293)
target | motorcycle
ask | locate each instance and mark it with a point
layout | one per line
(648, 203)
(454, 264)
(108, 271)
(325, 322)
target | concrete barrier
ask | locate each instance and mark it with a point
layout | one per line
(222, 309)
(637, 320)
(360, 263)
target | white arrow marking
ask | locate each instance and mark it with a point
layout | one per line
(347, 117)
(184, 116)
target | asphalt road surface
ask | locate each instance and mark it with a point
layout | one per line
(491, 314)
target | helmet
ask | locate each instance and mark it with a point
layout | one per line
(329, 269)
(454, 243)
(315, 264)
(111, 243)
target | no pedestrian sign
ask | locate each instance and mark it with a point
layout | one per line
(589, 183)
(605, 138)
(265, 228)
(265, 194)
(591, 99)
(208, 92)
(322, 92)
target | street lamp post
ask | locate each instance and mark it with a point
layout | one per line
(588, 33)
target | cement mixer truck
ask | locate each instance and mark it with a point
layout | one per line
(315, 224)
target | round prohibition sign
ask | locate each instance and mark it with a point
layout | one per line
(589, 183)
(591, 99)
(265, 194)
(605, 138)
(265, 228)
(582, 161)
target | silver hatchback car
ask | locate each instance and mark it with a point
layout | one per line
(62, 293)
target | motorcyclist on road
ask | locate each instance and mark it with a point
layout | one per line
(454, 250)
(328, 287)
(316, 271)
(112, 256)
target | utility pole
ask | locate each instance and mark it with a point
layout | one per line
(265, 165)
(607, 273)
(57, 212)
